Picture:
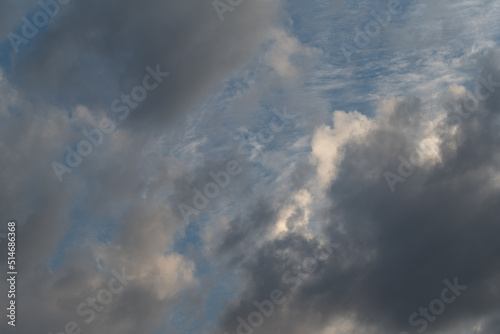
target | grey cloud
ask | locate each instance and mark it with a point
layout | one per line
(441, 223)
(93, 51)
(12, 12)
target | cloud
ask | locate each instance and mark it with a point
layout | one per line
(398, 247)
(328, 143)
(93, 52)
(319, 181)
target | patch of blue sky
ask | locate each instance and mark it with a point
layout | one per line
(222, 284)
(205, 317)
(190, 238)
(86, 231)
(29, 44)
(5, 57)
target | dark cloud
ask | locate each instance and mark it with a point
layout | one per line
(92, 52)
(244, 231)
(12, 12)
(441, 223)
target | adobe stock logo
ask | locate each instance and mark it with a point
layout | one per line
(485, 87)
(210, 190)
(249, 147)
(221, 7)
(122, 106)
(293, 278)
(103, 298)
(39, 20)
(372, 29)
(405, 169)
(436, 307)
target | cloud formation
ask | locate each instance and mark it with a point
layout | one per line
(385, 157)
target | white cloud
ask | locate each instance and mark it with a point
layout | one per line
(328, 143)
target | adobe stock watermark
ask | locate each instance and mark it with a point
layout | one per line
(484, 88)
(210, 190)
(482, 92)
(103, 298)
(372, 29)
(436, 307)
(293, 278)
(221, 7)
(122, 106)
(266, 134)
(221, 179)
(39, 20)
(405, 169)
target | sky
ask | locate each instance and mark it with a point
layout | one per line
(250, 166)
